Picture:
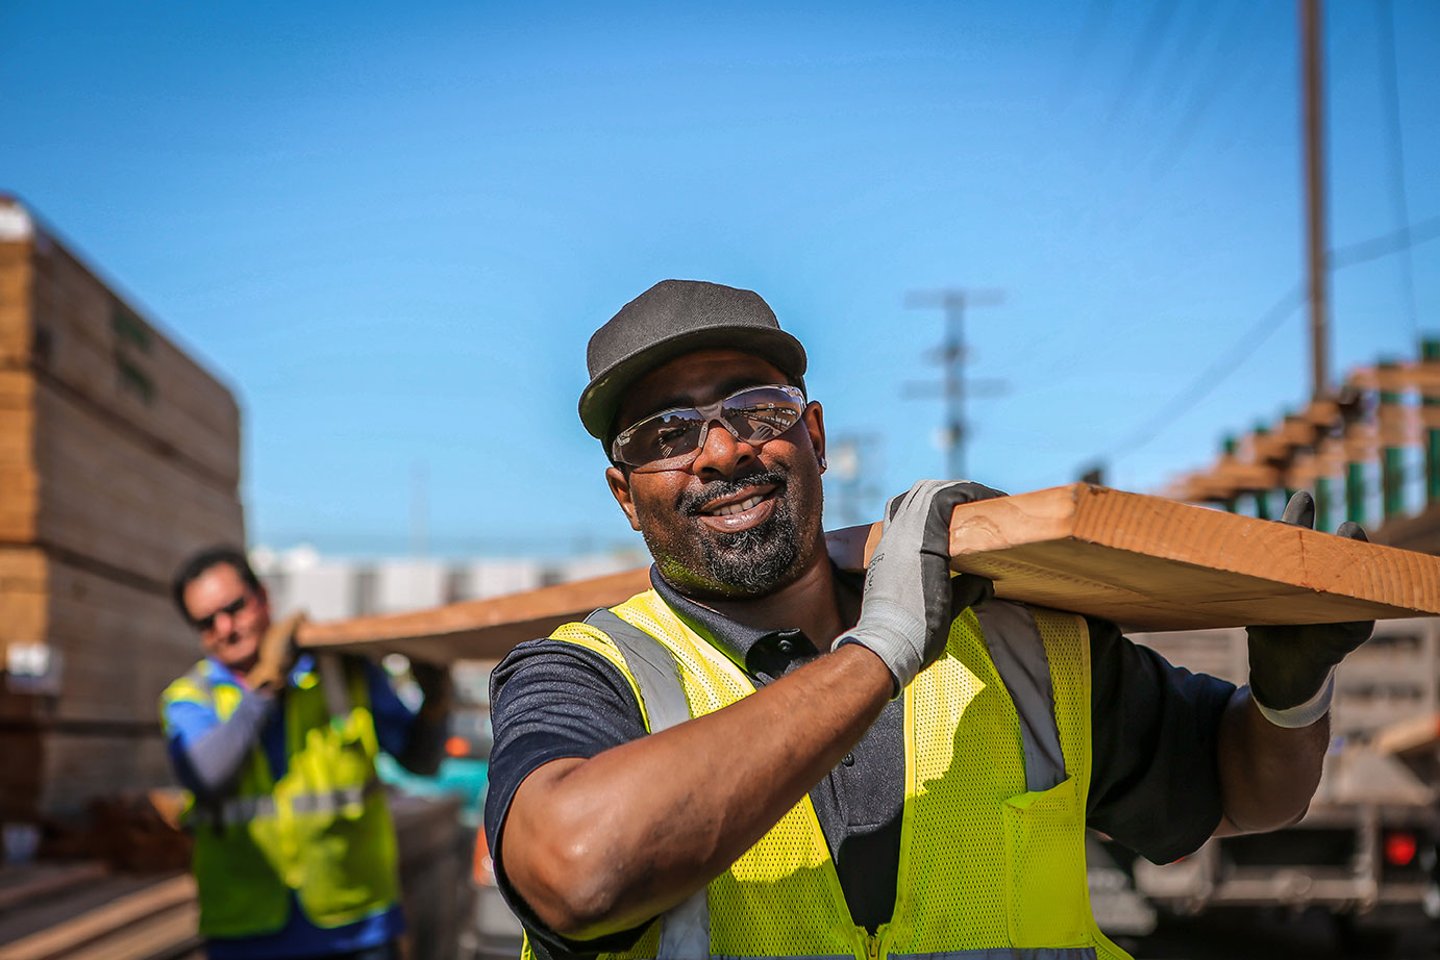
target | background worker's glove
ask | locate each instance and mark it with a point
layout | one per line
(276, 656)
(435, 685)
(910, 597)
(1292, 667)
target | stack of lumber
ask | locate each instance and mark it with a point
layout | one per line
(85, 910)
(81, 911)
(119, 455)
(1146, 562)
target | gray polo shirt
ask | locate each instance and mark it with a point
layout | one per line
(1154, 732)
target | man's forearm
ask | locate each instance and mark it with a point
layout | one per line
(1268, 774)
(211, 764)
(600, 845)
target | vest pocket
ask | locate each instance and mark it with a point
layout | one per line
(1045, 866)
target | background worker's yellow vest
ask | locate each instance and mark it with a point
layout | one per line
(985, 863)
(322, 831)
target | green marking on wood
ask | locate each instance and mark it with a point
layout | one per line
(130, 329)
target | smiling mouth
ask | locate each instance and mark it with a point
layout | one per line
(733, 508)
(737, 503)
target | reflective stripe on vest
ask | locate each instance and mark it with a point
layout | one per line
(1018, 651)
(321, 833)
(237, 810)
(685, 930)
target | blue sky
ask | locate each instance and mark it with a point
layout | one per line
(392, 230)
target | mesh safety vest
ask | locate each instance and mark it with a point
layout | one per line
(322, 832)
(997, 767)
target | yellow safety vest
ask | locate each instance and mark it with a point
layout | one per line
(321, 833)
(997, 767)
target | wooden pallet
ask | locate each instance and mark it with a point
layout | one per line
(1145, 562)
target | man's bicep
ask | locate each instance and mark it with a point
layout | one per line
(553, 705)
(1155, 783)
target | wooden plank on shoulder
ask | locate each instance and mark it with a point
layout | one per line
(476, 629)
(1155, 564)
(1146, 562)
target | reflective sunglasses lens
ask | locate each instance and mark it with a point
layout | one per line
(667, 435)
(755, 415)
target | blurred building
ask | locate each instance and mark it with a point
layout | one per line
(331, 588)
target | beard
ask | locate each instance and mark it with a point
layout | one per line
(702, 562)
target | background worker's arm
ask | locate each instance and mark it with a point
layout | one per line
(603, 844)
(416, 739)
(1275, 731)
(208, 752)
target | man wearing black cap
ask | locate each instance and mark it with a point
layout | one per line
(765, 756)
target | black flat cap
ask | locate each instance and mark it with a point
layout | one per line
(673, 318)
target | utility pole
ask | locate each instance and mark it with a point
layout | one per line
(954, 300)
(1318, 253)
(850, 496)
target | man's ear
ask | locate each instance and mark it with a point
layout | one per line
(814, 419)
(620, 490)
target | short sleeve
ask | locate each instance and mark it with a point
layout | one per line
(1155, 728)
(551, 700)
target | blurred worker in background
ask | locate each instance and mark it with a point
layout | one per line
(843, 765)
(294, 848)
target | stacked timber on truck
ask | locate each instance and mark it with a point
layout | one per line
(119, 455)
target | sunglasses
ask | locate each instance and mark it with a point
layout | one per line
(207, 623)
(671, 439)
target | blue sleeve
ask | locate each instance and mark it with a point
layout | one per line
(207, 754)
(393, 720)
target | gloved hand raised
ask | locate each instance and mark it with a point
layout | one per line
(1291, 666)
(910, 596)
(276, 656)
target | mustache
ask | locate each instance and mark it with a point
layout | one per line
(692, 501)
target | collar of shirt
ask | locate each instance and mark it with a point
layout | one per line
(763, 654)
(219, 673)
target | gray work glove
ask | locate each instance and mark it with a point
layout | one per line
(1291, 666)
(910, 596)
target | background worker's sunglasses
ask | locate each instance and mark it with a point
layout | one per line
(671, 439)
(207, 622)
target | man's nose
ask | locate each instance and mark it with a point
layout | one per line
(721, 454)
(224, 623)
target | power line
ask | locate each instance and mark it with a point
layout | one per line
(1265, 326)
(1213, 375)
(1085, 39)
(1390, 107)
(1193, 35)
(1204, 94)
(1152, 37)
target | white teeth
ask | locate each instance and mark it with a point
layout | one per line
(740, 507)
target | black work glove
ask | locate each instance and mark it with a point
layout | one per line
(910, 596)
(435, 684)
(1291, 665)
